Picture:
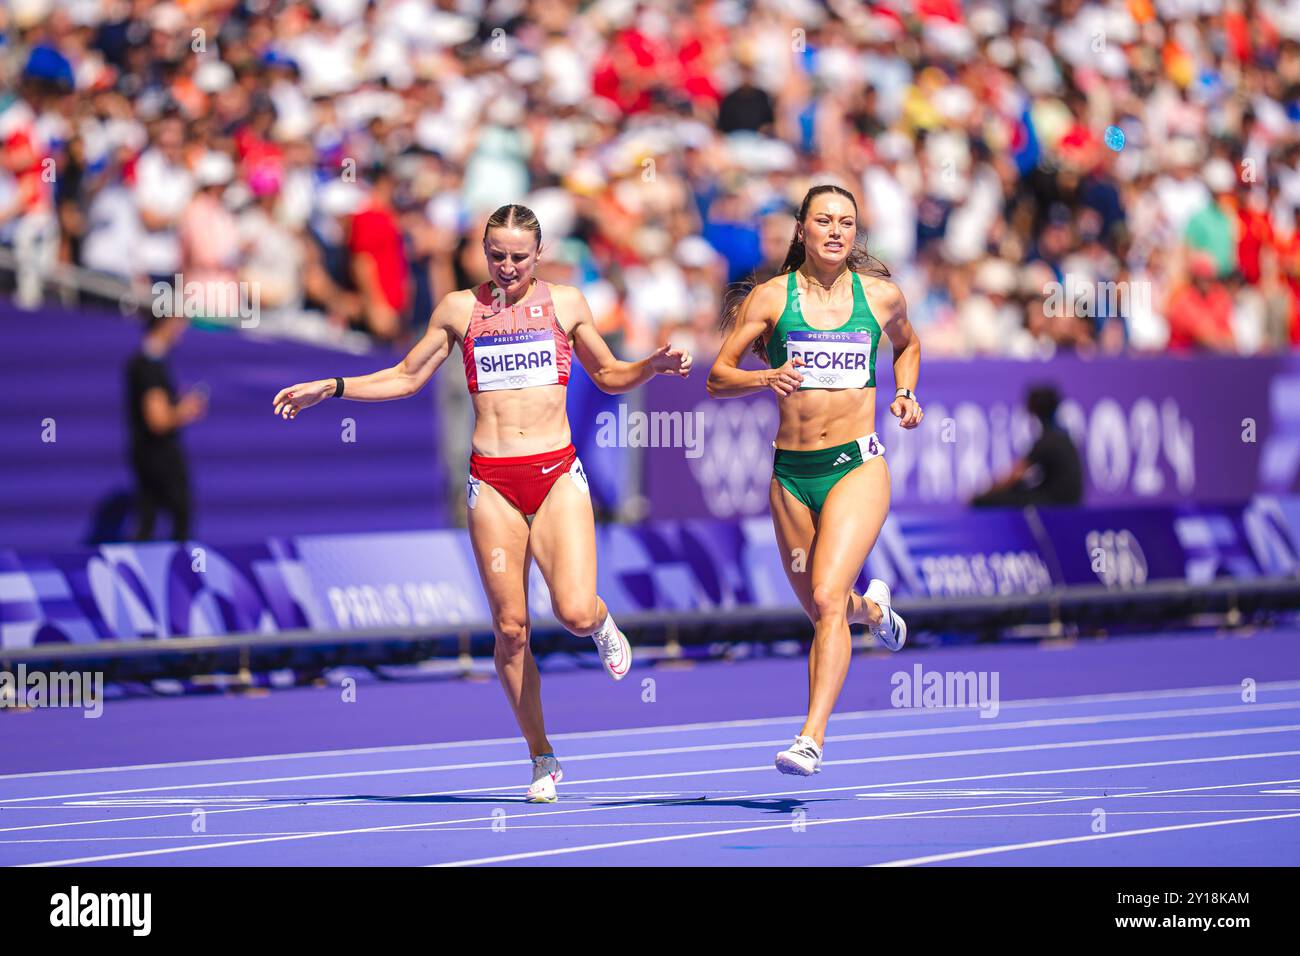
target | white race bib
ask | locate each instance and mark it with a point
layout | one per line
(515, 360)
(871, 447)
(579, 476)
(831, 359)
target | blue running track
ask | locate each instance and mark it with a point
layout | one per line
(1141, 751)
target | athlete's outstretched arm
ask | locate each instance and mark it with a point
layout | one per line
(907, 357)
(399, 381)
(611, 374)
(756, 316)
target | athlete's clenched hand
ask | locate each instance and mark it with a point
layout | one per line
(907, 411)
(786, 379)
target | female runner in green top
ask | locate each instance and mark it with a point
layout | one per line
(817, 324)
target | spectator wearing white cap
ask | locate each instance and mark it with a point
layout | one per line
(703, 272)
(989, 317)
(209, 236)
(163, 187)
(890, 201)
(327, 281)
(1180, 190)
(1212, 228)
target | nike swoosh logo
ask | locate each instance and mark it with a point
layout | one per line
(547, 471)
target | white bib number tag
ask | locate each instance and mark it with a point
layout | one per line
(831, 359)
(515, 360)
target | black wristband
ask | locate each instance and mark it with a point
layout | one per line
(338, 387)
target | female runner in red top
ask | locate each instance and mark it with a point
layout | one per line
(526, 491)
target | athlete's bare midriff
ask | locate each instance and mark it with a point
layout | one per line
(512, 422)
(816, 418)
(523, 421)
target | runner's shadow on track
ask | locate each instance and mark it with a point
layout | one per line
(437, 798)
(769, 805)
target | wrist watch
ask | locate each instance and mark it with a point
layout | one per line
(905, 393)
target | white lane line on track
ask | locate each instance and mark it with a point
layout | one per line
(780, 793)
(1234, 689)
(768, 827)
(1036, 844)
(625, 824)
(766, 768)
(672, 751)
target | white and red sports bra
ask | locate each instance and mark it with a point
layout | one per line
(515, 346)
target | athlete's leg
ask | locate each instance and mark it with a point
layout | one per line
(563, 541)
(499, 535)
(847, 528)
(564, 544)
(796, 537)
(793, 522)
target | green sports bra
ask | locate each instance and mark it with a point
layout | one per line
(844, 357)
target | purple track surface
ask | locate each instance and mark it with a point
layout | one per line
(1138, 751)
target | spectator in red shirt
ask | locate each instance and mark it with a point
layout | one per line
(35, 229)
(1200, 313)
(1255, 233)
(1288, 258)
(379, 266)
(637, 61)
(701, 44)
(253, 143)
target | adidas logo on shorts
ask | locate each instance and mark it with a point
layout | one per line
(844, 459)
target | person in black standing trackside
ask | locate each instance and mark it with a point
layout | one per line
(156, 416)
(1050, 474)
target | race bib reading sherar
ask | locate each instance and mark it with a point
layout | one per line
(516, 360)
(831, 359)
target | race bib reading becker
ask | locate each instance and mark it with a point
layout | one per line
(831, 359)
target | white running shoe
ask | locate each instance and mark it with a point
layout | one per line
(891, 632)
(804, 758)
(547, 772)
(615, 651)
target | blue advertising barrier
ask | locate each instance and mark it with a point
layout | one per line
(403, 582)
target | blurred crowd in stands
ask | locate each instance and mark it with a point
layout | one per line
(1040, 176)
